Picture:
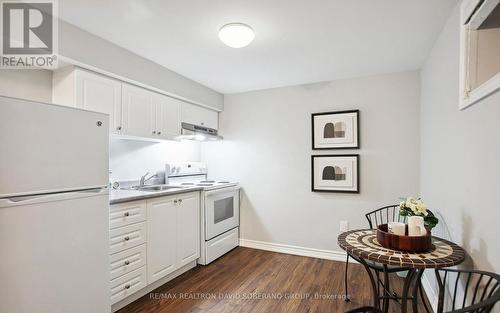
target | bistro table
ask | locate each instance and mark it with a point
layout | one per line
(362, 245)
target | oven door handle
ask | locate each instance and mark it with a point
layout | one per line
(222, 190)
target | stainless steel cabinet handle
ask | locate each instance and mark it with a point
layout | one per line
(126, 238)
(127, 262)
(127, 286)
(126, 214)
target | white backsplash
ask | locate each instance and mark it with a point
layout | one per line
(129, 159)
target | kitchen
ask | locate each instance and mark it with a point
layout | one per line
(192, 163)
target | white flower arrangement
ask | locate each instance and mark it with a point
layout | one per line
(416, 207)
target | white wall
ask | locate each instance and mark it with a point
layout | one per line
(86, 48)
(267, 148)
(27, 84)
(130, 159)
(460, 155)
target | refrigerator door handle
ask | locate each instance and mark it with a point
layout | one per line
(24, 200)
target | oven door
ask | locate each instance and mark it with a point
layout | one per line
(222, 211)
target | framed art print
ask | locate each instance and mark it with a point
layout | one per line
(335, 173)
(335, 130)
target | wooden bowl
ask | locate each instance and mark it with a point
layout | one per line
(403, 243)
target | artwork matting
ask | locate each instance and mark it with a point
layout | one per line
(335, 173)
(335, 130)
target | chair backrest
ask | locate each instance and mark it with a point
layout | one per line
(470, 291)
(384, 215)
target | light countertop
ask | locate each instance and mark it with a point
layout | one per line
(121, 195)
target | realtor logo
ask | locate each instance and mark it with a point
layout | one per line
(29, 34)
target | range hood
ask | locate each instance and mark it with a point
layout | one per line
(198, 133)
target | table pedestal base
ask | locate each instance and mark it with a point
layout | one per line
(411, 287)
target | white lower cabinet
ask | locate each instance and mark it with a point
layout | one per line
(157, 237)
(188, 231)
(162, 233)
(128, 284)
(126, 261)
(127, 213)
(126, 237)
(173, 233)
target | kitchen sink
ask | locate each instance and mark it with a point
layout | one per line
(157, 188)
(153, 188)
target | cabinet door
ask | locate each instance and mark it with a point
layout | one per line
(138, 112)
(99, 93)
(198, 115)
(188, 221)
(162, 237)
(167, 116)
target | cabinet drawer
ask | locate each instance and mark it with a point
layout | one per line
(128, 284)
(123, 214)
(127, 261)
(127, 237)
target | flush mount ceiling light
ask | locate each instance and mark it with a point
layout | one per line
(236, 35)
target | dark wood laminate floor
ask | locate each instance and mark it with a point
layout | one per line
(249, 280)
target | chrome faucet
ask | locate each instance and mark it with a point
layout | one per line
(144, 179)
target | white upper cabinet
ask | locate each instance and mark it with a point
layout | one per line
(167, 116)
(133, 110)
(101, 94)
(138, 111)
(197, 115)
(90, 91)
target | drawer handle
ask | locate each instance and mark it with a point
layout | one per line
(126, 238)
(126, 214)
(127, 262)
(127, 286)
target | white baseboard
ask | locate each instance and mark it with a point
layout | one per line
(295, 250)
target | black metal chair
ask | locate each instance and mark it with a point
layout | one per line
(470, 291)
(376, 217)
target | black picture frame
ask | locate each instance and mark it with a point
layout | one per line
(357, 191)
(357, 146)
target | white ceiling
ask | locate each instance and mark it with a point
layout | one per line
(297, 41)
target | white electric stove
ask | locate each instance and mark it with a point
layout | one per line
(220, 208)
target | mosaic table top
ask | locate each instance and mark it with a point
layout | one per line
(363, 244)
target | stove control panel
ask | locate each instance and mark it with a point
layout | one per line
(185, 168)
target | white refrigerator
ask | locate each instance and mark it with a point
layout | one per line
(54, 252)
